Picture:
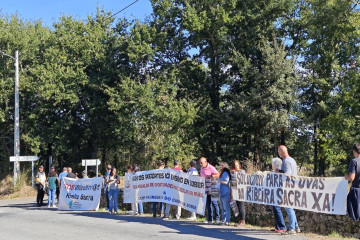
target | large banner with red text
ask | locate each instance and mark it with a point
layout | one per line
(317, 194)
(80, 194)
(167, 186)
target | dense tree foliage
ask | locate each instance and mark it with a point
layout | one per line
(222, 79)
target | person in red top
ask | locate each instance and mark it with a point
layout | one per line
(209, 170)
(168, 206)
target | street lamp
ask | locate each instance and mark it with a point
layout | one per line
(17, 118)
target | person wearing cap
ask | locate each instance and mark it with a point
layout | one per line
(40, 179)
(353, 198)
(84, 174)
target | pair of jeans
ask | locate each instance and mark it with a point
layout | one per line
(154, 206)
(140, 207)
(225, 207)
(51, 197)
(210, 210)
(279, 219)
(292, 219)
(241, 207)
(113, 199)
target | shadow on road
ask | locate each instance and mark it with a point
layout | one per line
(180, 227)
(30, 206)
(185, 227)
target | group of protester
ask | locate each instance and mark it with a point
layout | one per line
(51, 184)
(287, 165)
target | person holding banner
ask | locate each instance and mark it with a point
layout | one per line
(136, 208)
(140, 208)
(208, 170)
(353, 198)
(236, 167)
(161, 165)
(168, 206)
(112, 181)
(193, 171)
(279, 219)
(289, 166)
(224, 181)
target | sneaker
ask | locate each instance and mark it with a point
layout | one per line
(298, 230)
(49, 205)
(206, 222)
(165, 218)
(115, 212)
(217, 222)
(110, 212)
(290, 232)
(226, 223)
(191, 218)
(280, 230)
(154, 215)
(177, 217)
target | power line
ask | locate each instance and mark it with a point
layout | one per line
(125, 8)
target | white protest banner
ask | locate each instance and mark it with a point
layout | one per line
(316, 194)
(167, 186)
(80, 194)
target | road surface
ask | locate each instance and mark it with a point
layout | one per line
(20, 219)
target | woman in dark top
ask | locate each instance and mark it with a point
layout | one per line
(353, 198)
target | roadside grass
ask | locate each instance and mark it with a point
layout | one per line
(21, 190)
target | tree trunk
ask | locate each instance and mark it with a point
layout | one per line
(315, 150)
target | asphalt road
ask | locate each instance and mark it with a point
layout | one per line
(21, 219)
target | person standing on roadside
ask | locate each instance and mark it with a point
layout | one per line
(106, 190)
(236, 167)
(209, 170)
(224, 180)
(139, 207)
(353, 198)
(193, 171)
(40, 179)
(70, 173)
(64, 173)
(113, 180)
(289, 166)
(84, 174)
(52, 180)
(161, 165)
(279, 219)
(168, 206)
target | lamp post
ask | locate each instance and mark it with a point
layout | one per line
(16, 117)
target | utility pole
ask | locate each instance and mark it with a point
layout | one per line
(16, 117)
(16, 120)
